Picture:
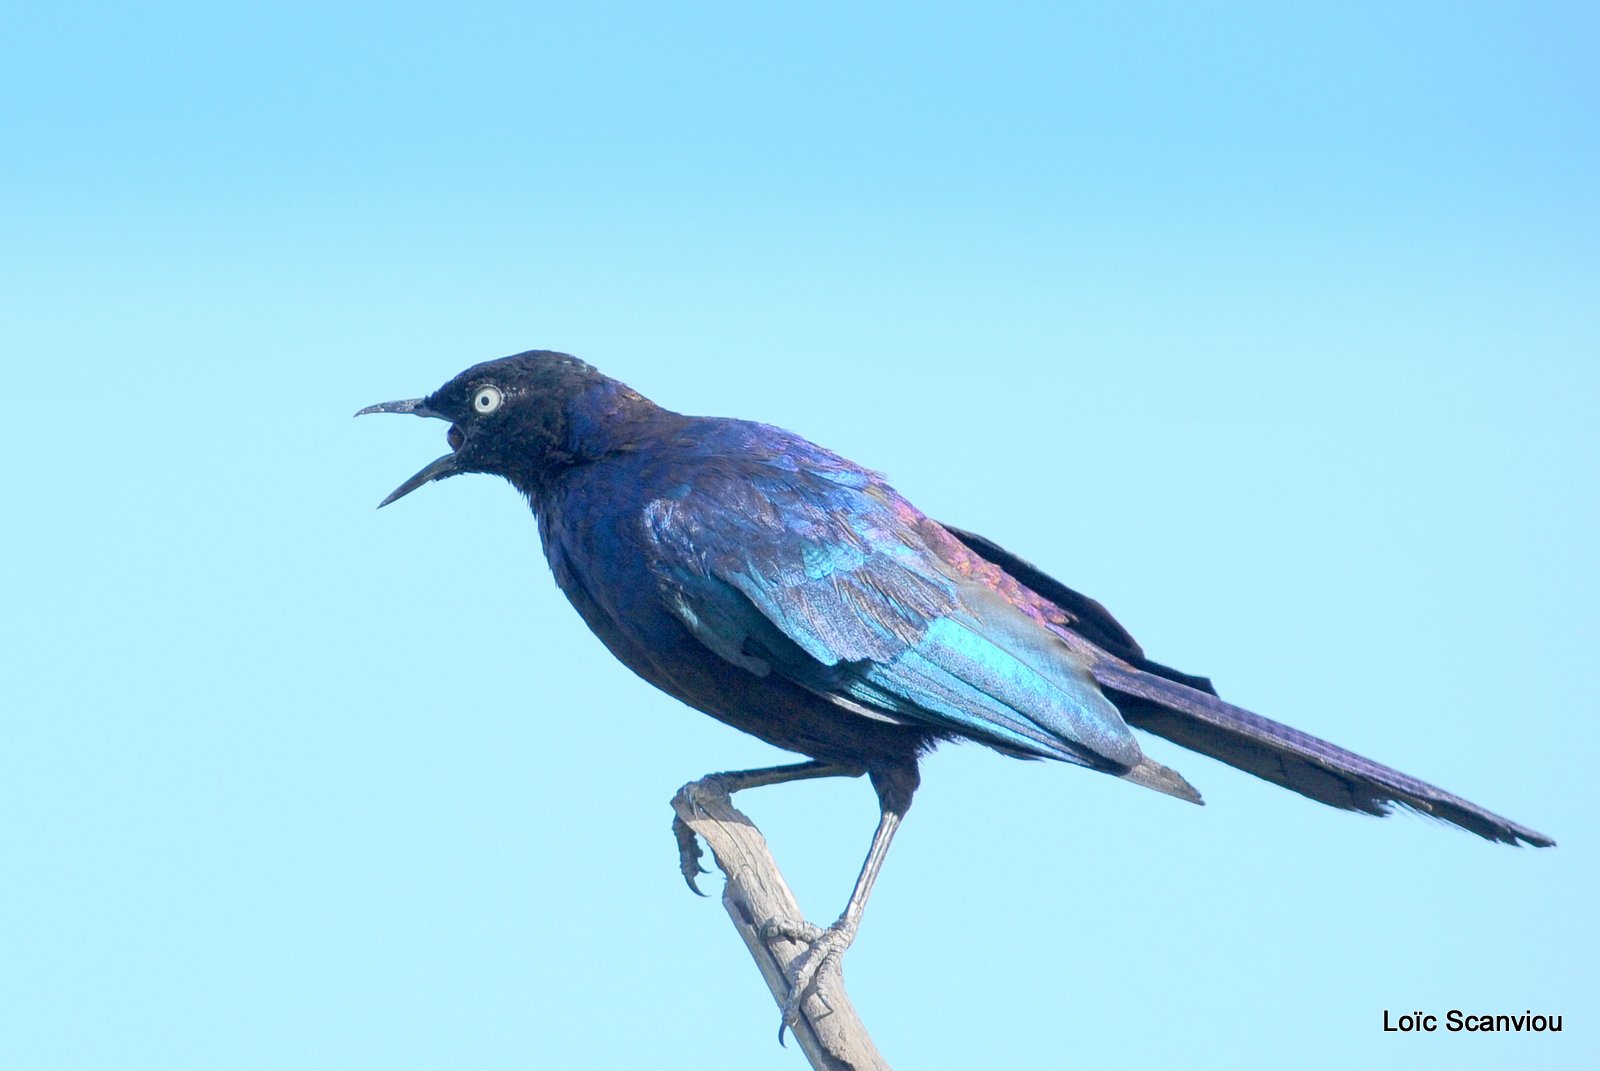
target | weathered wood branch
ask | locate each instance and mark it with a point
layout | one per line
(829, 1032)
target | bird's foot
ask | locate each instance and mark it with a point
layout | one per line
(816, 970)
(791, 930)
(688, 854)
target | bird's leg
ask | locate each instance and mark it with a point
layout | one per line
(738, 780)
(818, 966)
(732, 781)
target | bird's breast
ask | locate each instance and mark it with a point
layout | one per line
(597, 557)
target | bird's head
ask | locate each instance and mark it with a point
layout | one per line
(524, 417)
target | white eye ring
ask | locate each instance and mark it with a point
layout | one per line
(487, 400)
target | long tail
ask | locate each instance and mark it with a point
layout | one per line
(1285, 756)
(1186, 710)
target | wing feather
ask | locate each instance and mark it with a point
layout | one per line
(829, 583)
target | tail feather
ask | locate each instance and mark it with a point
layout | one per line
(1286, 756)
(1186, 710)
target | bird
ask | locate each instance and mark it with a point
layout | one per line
(790, 593)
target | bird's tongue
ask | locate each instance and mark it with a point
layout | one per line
(454, 437)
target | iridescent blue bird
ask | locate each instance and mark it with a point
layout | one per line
(794, 595)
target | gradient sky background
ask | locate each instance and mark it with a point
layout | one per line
(1275, 331)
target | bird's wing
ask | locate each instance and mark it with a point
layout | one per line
(823, 578)
(1085, 616)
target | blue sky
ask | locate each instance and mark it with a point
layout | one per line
(1274, 330)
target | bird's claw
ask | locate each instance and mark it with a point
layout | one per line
(688, 854)
(815, 970)
(790, 930)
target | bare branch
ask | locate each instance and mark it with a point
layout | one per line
(829, 1033)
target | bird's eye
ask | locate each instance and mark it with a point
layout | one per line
(487, 400)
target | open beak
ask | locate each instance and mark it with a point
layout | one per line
(437, 469)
